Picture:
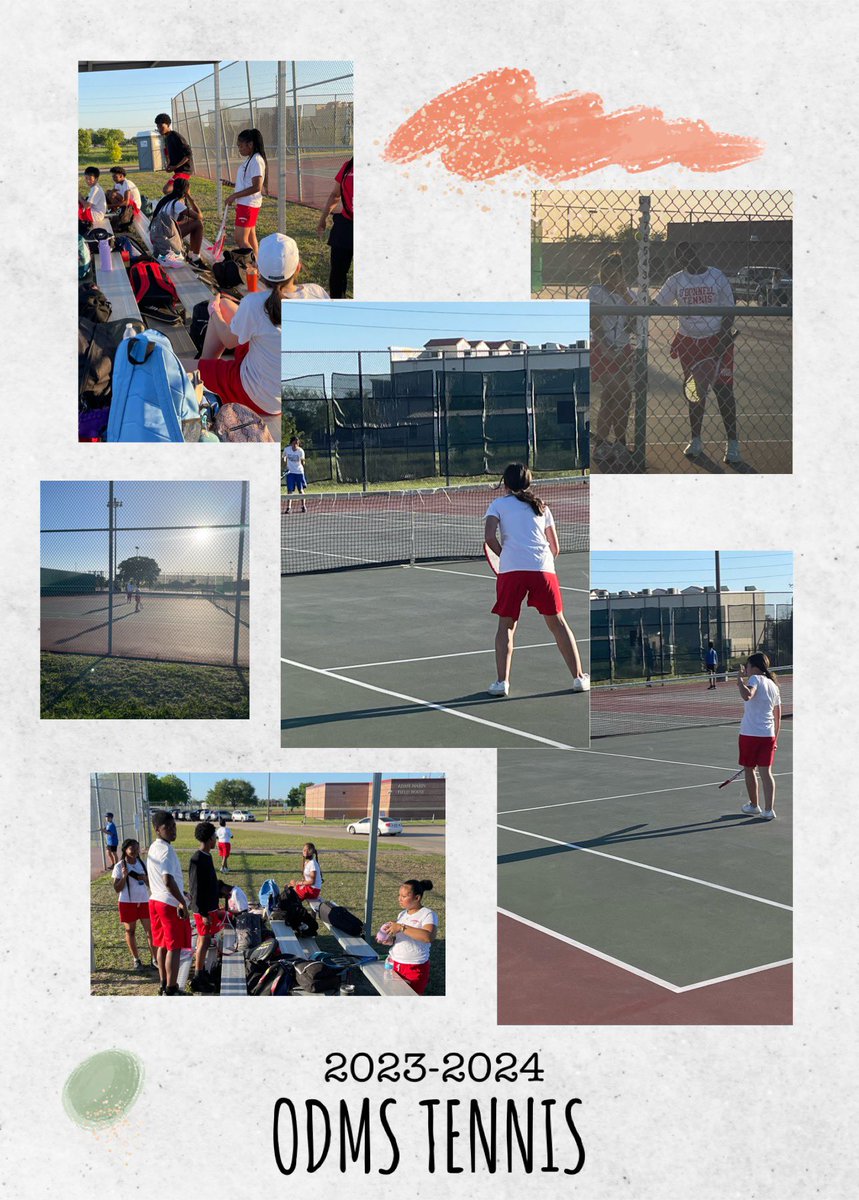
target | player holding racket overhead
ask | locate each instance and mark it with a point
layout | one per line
(759, 732)
(703, 346)
(521, 544)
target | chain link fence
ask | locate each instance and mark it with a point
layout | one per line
(660, 636)
(151, 570)
(378, 416)
(691, 298)
(319, 116)
(124, 795)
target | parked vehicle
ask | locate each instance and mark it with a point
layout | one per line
(763, 285)
(387, 826)
(243, 816)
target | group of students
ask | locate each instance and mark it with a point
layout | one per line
(153, 894)
(703, 346)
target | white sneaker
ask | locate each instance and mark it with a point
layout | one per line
(752, 810)
(695, 448)
(732, 452)
(500, 688)
(582, 683)
(768, 814)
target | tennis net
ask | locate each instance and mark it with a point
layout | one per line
(666, 704)
(343, 530)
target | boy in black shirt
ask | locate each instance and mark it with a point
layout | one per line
(205, 898)
(178, 157)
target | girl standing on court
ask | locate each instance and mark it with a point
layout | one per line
(414, 932)
(611, 362)
(131, 884)
(759, 732)
(310, 888)
(250, 180)
(521, 530)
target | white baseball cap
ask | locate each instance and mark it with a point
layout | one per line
(278, 258)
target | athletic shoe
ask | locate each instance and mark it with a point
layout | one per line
(138, 965)
(162, 990)
(582, 683)
(768, 814)
(695, 448)
(500, 688)
(201, 984)
(751, 810)
(732, 452)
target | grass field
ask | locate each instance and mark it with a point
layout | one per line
(260, 854)
(83, 687)
(300, 221)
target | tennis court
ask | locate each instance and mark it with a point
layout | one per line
(387, 632)
(170, 627)
(636, 890)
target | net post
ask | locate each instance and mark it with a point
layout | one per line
(363, 425)
(445, 400)
(239, 572)
(643, 331)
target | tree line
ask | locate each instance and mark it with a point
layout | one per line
(170, 791)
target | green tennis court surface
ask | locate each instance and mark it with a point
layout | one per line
(403, 655)
(629, 853)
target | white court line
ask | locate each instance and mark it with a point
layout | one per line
(677, 989)
(686, 787)
(393, 662)
(450, 712)
(474, 575)
(630, 862)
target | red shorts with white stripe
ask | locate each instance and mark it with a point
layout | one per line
(216, 922)
(168, 928)
(541, 588)
(689, 351)
(130, 914)
(416, 975)
(246, 217)
(756, 751)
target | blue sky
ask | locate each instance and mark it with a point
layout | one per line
(129, 100)
(83, 504)
(311, 327)
(628, 570)
(281, 781)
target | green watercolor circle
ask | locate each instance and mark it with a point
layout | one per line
(102, 1089)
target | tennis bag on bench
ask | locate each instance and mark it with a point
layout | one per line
(153, 398)
(324, 974)
(155, 292)
(248, 931)
(340, 918)
(269, 894)
(277, 979)
(300, 919)
(231, 271)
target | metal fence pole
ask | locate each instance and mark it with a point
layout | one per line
(110, 566)
(218, 133)
(240, 557)
(445, 400)
(250, 94)
(719, 627)
(100, 823)
(370, 888)
(363, 425)
(297, 128)
(281, 146)
(202, 133)
(643, 324)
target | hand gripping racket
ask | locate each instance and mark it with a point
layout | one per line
(704, 374)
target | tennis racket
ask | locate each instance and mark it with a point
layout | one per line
(733, 779)
(217, 248)
(492, 558)
(704, 374)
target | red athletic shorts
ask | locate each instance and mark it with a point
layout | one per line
(416, 975)
(130, 914)
(217, 917)
(246, 217)
(306, 892)
(610, 364)
(689, 351)
(541, 588)
(168, 929)
(223, 376)
(756, 751)
(224, 849)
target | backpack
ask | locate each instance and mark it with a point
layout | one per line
(248, 931)
(262, 954)
(324, 974)
(164, 232)
(93, 305)
(269, 894)
(96, 348)
(85, 267)
(147, 206)
(127, 244)
(340, 918)
(237, 423)
(277, 979)
(199, 325)
(153, 398)
(99, 233)
(155, 292)
(232, 270)
(301, 920)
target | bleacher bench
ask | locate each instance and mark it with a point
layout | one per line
(233, 973)
(386, 983)
(116, 287)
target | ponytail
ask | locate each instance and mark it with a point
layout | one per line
(762, 663)
(517, 480)
(258, 147)
(273, 301)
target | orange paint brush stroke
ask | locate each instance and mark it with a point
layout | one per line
(496, 122)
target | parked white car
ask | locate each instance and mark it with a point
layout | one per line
(243, 816)
(387, 826)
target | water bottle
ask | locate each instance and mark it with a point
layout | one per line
(389, 969)
(130, 331)
(104, 260)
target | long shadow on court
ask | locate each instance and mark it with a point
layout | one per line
(92, 629)
(634, 833)
(472, 700)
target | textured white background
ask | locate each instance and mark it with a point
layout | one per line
(667, 1113)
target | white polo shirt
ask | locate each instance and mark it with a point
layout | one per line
(405, 949)
(758, 711)
(522, 534)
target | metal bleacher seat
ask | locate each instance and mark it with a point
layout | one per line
(386, 983)
(116, 287)
(233, 973)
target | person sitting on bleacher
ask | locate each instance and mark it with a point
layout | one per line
(252, 329)
(92, 208)
(175, 218)
(310, 887)
(414, 932)
(129, 192)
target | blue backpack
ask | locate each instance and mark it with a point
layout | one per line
(152, 394)
(269, 894)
